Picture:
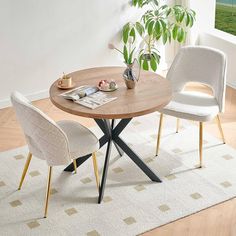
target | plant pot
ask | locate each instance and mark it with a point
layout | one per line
(130, 84)
(130, 77)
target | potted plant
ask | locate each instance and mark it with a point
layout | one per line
(128, 54)
(160, 22)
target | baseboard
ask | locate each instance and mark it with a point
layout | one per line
(32, 97)
(232, 85)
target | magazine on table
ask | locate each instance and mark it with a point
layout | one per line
(88, 96)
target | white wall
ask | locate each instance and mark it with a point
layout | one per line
(39, 39)
(204, 33)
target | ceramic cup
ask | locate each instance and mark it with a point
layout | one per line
(65, 82)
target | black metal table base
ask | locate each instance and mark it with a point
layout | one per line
(112, 135)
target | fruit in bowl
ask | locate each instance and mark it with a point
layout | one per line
(105, 85)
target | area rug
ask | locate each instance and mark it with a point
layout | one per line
(132, 203)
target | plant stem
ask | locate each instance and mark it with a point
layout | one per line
(119, 51)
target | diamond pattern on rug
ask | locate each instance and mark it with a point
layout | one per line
(153, 136)
(164, 208)
(135, 123)
(176, 150)
(53, 191)
(15, 203)
(33, 224)
(148, 160)
(130, 220)
(2, 184)
(226, 184)
(86, 180)
(107, 199)
(139, 188)
(34, 173)
(71, 211)
(118, 170)
(19, 157)
(227, 157)
(195, 196)
(170, 177)
(93, 233)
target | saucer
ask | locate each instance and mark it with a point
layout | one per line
(108, 90)
(64, 87)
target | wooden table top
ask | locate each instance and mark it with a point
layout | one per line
(152, 92)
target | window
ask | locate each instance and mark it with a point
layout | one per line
(226, 16)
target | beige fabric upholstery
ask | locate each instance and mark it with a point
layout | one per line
(81, 140)
(193, 106)
(47, 140)
(197, 64)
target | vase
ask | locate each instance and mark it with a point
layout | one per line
(129, 77)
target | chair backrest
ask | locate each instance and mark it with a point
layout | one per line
(44, 137)
(200, 64)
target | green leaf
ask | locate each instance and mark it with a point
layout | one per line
(126, 29)
(140, 3)
(150, 27)
(134, 2)
(145, 64)
(175, 31)
(181, 34)
(156, 2)
(130, 60)
(163, 24)
(158, 28)
(182, 17)
(191, 21)
(153, 63)
(157, 57)
(125, 52)
(164, 37)
(147, 23)
(132, 34)
(139, 28)
(187, 22)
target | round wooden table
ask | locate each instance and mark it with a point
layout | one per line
(151, 93)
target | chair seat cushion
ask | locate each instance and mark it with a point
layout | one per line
(192, 106)
(81, 140)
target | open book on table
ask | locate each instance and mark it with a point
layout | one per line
(88, 96)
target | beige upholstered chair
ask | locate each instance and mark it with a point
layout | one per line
(196, 64)
(56, 143)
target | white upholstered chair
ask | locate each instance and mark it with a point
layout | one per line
(56, 143)
(196, 64)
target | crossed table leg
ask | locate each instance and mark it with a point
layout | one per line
(112, 135)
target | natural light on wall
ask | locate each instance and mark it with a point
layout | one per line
(226, 16)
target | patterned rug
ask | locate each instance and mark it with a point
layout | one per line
(132, 204)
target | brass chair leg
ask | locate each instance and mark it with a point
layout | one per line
(177, 126)
(48, 191)
(200, 141)
(75, 165)
(159, 134)
(25, 170)
(220, 128)
(95, 166)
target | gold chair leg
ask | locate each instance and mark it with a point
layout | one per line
(48, 191)
(95, 166)
(200, 141)
(25, 170)
(220, 128)
(75, 165)
(177, 126)
(159, 134)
